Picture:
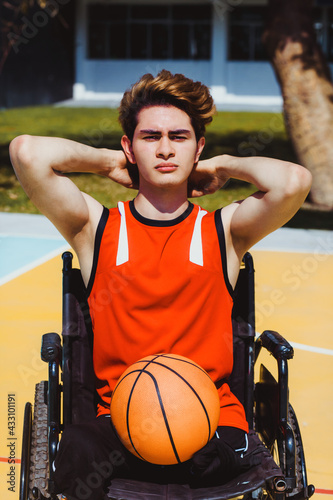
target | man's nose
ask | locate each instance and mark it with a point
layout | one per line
(165, 148)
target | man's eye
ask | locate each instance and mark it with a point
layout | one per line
(178, 137)
(151, 137)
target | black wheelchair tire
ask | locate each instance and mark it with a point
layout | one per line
(25, 454)
(39, 456)
(301, 491)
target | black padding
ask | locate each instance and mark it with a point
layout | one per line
(276, 345)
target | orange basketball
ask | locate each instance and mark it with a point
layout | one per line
(164, 408)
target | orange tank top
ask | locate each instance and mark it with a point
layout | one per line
(162, 286)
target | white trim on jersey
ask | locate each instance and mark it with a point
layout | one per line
(122, 253)
(196, 252)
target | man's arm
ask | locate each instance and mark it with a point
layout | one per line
(41, 165)
(282, 188)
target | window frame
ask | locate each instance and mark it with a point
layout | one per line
(251, 25)
(168, 21)
(322, 23)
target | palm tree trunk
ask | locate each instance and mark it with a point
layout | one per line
(307, 91)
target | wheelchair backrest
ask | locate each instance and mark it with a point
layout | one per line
(241, 380)
(79, 395)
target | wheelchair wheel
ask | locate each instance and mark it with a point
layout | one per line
(39, 462)
(25, 454)
(301, 490)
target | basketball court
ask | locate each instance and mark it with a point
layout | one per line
(294, 295)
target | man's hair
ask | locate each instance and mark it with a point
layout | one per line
(167, 89)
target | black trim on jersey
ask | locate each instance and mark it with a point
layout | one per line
(97, 245)
(160, 223)
(221, 238)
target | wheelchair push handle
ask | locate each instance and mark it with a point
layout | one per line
(67, 258)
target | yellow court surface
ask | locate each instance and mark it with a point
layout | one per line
(294, 295)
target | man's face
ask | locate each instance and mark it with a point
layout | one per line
(164, 147)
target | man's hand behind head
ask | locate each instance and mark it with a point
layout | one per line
(204, 179)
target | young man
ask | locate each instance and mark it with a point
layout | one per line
(159, 270)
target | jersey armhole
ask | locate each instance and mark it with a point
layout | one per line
(223, 252)
(97, 245)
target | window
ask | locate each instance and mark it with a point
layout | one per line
(149, 31)
(246, 25)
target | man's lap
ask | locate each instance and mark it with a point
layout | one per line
(91, 453)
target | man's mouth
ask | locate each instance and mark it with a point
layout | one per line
(166, 167)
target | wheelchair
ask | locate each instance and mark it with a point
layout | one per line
(68, 396)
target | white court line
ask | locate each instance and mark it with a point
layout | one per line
(305, 347)
(318, 350)
(33, 264)
(311, 241)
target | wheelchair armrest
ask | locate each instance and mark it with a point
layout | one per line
(276, 345)
(282, 352)
(51, 347)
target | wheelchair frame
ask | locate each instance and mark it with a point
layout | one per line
(266, 403)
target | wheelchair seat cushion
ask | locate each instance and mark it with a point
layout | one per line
(246, 482)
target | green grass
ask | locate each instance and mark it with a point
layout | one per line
(235, 133)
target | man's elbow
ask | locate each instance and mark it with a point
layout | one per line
(20, 152)
(299, 181)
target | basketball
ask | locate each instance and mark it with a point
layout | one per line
(164, 408)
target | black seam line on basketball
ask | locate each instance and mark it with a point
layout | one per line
(138, 370)
(133, 371)
(142, 370)
(128, 407)
(193, 390)
(168, 356)
(164, 415)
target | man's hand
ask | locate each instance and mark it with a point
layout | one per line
(281, 189)
(121, 171)
(205, 179)
(218, 463)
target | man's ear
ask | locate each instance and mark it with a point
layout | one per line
(200, 146)
(127, 147)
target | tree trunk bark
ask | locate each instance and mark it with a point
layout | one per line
(307, 91)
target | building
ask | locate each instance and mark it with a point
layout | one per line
(215, 41)
(90, 51)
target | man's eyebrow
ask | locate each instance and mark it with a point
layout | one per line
(149, 131)
(172, 132)
(180, 131)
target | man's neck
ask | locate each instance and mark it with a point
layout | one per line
(160, 207)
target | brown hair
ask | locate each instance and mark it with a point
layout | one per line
(167, 89)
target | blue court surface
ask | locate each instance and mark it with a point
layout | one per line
(26, 241)
(21, 253)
